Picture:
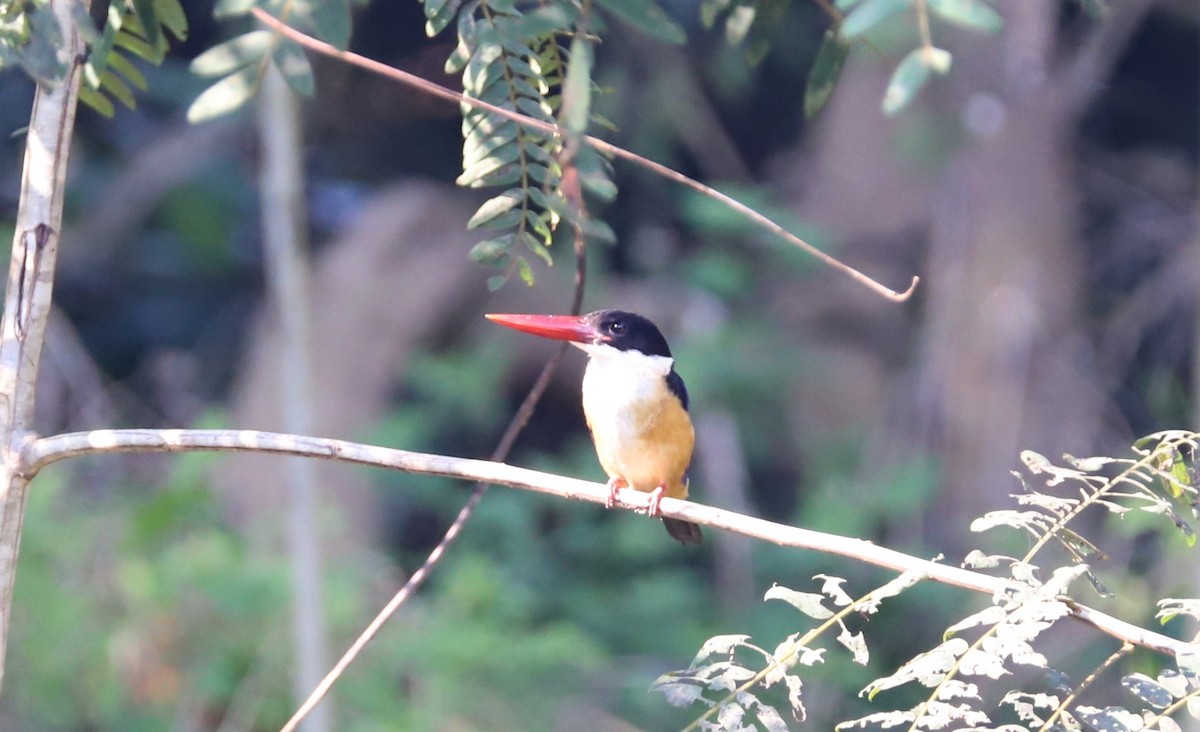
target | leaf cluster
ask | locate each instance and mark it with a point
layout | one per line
(30, 37)
(536, 62)
(1002, 638)
(239, 63)
(720, 679)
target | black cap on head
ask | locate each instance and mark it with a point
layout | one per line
(628, 332)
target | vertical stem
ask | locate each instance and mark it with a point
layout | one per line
(285, 243)
(27, 297)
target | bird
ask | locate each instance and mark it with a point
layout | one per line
(635, 403)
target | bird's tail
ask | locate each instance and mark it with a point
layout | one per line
(684, 531)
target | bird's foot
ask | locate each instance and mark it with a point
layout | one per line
(655, 498)
(614, 485)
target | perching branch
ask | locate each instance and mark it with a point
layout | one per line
(30, 281)
(45, 451)
(437, 90)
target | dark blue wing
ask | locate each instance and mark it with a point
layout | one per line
(675, 384)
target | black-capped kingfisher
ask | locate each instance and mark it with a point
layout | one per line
(634, 402)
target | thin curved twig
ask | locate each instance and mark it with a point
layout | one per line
(437, 90)
(39, 453)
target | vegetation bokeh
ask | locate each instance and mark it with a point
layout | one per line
(1053, 222)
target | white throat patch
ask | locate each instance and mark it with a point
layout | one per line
(616, 383)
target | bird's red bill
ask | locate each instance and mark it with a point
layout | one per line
(558, 327)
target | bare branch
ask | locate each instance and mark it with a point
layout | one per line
(30, 281)
(47, 450)
(437, 90)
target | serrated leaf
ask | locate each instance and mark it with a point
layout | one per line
(97, 101)
(832, 587)
(770, 718)
(908, 78)
(856, 643)
(969, 13)
(869, 14)
(292, 62)
(679, 691)
(646, 16)
(225, 58)
(809, 603)
(225, 96)
(826, 68)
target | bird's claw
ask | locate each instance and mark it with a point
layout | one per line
(614, 485)
(655, 498)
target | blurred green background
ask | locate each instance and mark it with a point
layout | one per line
(1045, 191)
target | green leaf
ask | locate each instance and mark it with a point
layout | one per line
(970, 13)
(870, 14)
(906, 81)
(39, 54)
(646, 16)
(495, 282)
(97, 101)
(148, 17)
(225, 96)
(231, 8)
(329, 20)
(494, 207)
(98, 58)
(532, 244)
(438, 14)
(121, 65)
(477, 171)
(154, 53)
(809, 603)
(577, 90)
(491, 250)
(172, 17)
(290, 59)
(225, 58)
(831, 57)
(113, 84)
(525, 270)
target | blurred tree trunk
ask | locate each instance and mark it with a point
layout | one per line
(1003, 362)
(285, 243)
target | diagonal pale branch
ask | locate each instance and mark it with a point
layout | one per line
(30, 280)
(47, 450)
(437, 90)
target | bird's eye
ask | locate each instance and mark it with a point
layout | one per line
(616, 327)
